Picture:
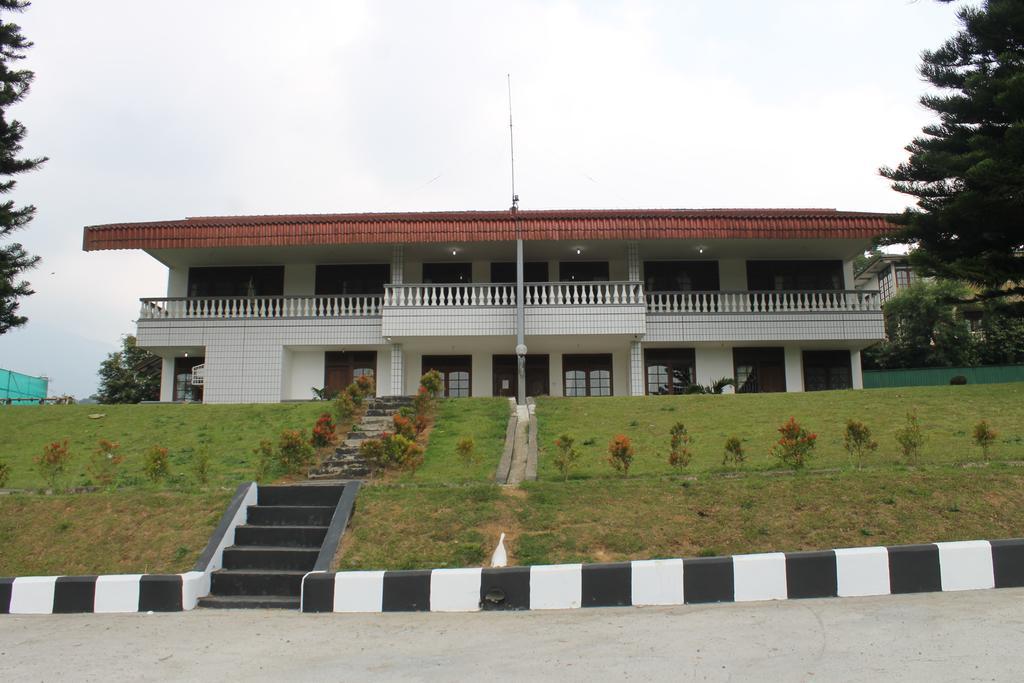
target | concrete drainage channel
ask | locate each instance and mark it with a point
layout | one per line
(519, 457)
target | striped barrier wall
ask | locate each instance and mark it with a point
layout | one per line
(847, 572)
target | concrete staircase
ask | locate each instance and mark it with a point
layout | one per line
(345, 462)
(275, 548)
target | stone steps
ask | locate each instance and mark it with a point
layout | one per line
(345, 462)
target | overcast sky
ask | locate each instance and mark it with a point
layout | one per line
(164, 110)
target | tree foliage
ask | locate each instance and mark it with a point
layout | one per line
(130, 375)
(925, 327)
(967, 170)
(14, 86)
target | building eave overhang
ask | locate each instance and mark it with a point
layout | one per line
(487, 226)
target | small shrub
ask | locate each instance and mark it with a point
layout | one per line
(958, 380)
(679, 455)
(201, 466)
(404, 426)
(344, 406)
(392, 451)
(620, 454)
(423, 403)
(365, 385)
(984, 436)
(734, 453)
(433, 383)
(795, 445)
(5, 473)
(155, 464)
(323, 431)
(54, 462)
(265, 461)
(293, 451)
(910, 438)
(421, 422)
(104, 461)
(466, 448)
(858, 442)
(566, 455)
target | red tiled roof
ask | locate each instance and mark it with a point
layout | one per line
(484, 226)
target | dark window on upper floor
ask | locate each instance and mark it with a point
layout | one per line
(236, 281)
(794, 275)
(361, 278)
(447, 273)
(681, 276)
(583, 271)
(533, 271)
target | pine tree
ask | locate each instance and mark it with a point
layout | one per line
(967, 170)
(130, 375)
(14, 86)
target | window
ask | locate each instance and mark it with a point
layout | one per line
(533, 271)
(973, 319)
(360, 278)
(456, 373)
(794, 275)
(681, 276)
(236, 281)
(184, 390)
(447, 273)
(587, 375)
(885, 284)
(583, 271)
(759, 370)
(904, 276)
(827, 370)
(669, 371)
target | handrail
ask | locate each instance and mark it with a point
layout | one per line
(764, 301)
(314, 306)
(429, 295)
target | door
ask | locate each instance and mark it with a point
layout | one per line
(342, 367)
(759, 370)
(456, 373)
(506, 375)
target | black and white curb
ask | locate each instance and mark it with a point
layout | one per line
(118, 593)
(847, 572)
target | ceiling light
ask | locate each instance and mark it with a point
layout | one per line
(701, 250)
(453, 252)
(579, 251)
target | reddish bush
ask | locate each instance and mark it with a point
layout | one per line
(323, 431)
(795, 445)
(404, 426)
(620, 454)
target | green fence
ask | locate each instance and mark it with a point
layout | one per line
(929, 377)
(18, 388)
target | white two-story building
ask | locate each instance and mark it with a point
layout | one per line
(266, 308)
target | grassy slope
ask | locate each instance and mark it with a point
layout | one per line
(483, 419)
(228, 432)
(106, 533)
(947, 414)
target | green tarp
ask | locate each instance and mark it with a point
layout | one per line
(927, 377)
(18, 388)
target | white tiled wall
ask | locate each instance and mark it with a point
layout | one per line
(760, 327)
(408, 321)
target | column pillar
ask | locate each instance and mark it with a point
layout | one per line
(794, 358)
(167, 379)
(398, 265)
(636, 369)
(856, 371)
(633, 261)
(397, 371)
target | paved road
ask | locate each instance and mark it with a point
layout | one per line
(934, 637)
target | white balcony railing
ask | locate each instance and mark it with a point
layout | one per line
(230, 307)
(534, 294)
(821, 301)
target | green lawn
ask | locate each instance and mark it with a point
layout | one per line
(605, 520)
(482, 419)
(228, 433)
(947, 416)
(107, 533)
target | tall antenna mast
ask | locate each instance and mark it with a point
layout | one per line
(512, 144)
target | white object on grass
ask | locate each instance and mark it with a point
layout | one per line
(500, 557)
